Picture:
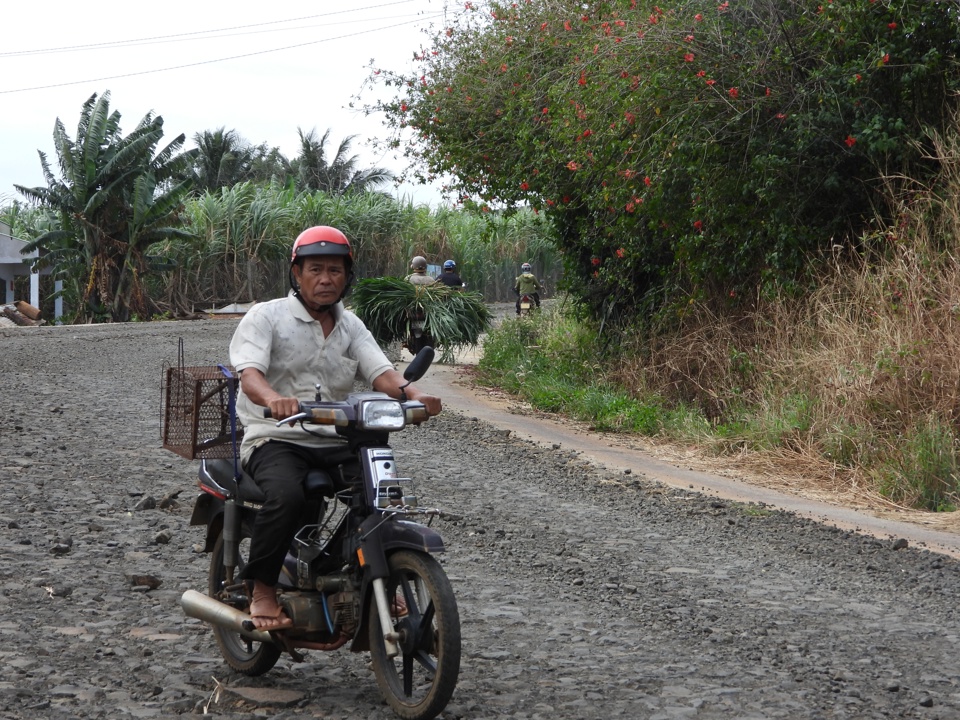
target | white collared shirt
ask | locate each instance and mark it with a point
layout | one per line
(284, 342)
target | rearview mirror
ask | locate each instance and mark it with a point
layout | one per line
(419, 365)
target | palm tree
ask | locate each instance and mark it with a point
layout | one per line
(223, 160)
(340, 174)
(115, 196)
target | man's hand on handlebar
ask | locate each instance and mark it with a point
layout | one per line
(283, 407)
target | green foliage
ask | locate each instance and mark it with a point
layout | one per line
(115, 196)
(925, 471)
(453, 318)
(316, 169)
(684, 148)
(550, 360)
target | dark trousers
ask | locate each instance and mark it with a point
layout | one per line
(535, 296)
(279, 468)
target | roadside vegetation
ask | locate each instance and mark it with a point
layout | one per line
(753, 203)
(756, 203)
(855, 384)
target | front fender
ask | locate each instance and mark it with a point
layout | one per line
(410, 535)
(391, 536)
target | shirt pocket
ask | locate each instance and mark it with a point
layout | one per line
(341, 375)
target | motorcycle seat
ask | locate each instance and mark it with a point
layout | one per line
(222, 474)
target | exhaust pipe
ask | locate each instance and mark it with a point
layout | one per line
(203, 607)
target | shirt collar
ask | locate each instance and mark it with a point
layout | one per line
(301, 313)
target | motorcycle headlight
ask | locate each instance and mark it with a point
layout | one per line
(382, 415)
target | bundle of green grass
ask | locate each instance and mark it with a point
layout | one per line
(453, 318)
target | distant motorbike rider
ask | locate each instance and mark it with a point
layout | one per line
(449, 276)
(419, 275)
(527, 284)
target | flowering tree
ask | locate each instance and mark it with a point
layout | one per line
(691, 147)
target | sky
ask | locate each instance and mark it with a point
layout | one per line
(263, 69)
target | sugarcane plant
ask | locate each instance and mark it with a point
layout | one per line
(453, 318)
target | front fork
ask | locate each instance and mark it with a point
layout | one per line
(390, 637)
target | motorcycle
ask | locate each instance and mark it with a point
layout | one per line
(361, 570)
(527, 304)
(417, 336)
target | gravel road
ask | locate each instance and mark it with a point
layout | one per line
(584, 593)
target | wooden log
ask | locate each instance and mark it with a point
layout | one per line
(25, 308)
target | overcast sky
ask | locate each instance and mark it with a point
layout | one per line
(260, 68)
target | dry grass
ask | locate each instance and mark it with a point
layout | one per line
(857, 384)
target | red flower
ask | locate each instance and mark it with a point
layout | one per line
(886, 58)
(587, 133)
(583, 79)
(734, 93)
(688, 38)
(566, 24)
(503, 68)
(723, 6)
(545, 111)
(621, 252)
(629, 117)
(566, 198)
(711, 82)
(403, 107)
(630, 207)
(573, 165)
(595, 261)
(892, 26)
(698, 17)
(698, 225)
(524, 186)
(767, 92)
(688, 57)
(702, 73)
(850, 141)
(647, 181)
(543, 26)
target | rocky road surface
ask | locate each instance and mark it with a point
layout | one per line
(584, 593)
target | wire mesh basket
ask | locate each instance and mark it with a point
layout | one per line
(198, 413)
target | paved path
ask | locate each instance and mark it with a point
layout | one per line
(454, 387)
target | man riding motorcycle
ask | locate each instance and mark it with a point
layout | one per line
(419, 275)
(527, 284)
(449, 276)
(282, 349)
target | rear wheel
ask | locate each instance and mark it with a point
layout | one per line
(418, 683)
(241, 653)
(416, 343)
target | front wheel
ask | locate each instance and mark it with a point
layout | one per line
(240, 652)
(418, 683)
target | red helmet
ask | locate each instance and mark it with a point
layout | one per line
(322, 240)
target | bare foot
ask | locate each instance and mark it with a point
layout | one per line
(265, 612)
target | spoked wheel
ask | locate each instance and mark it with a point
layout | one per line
(241, 653)
(418, 683)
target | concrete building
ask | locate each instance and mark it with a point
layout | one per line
(13, 263)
